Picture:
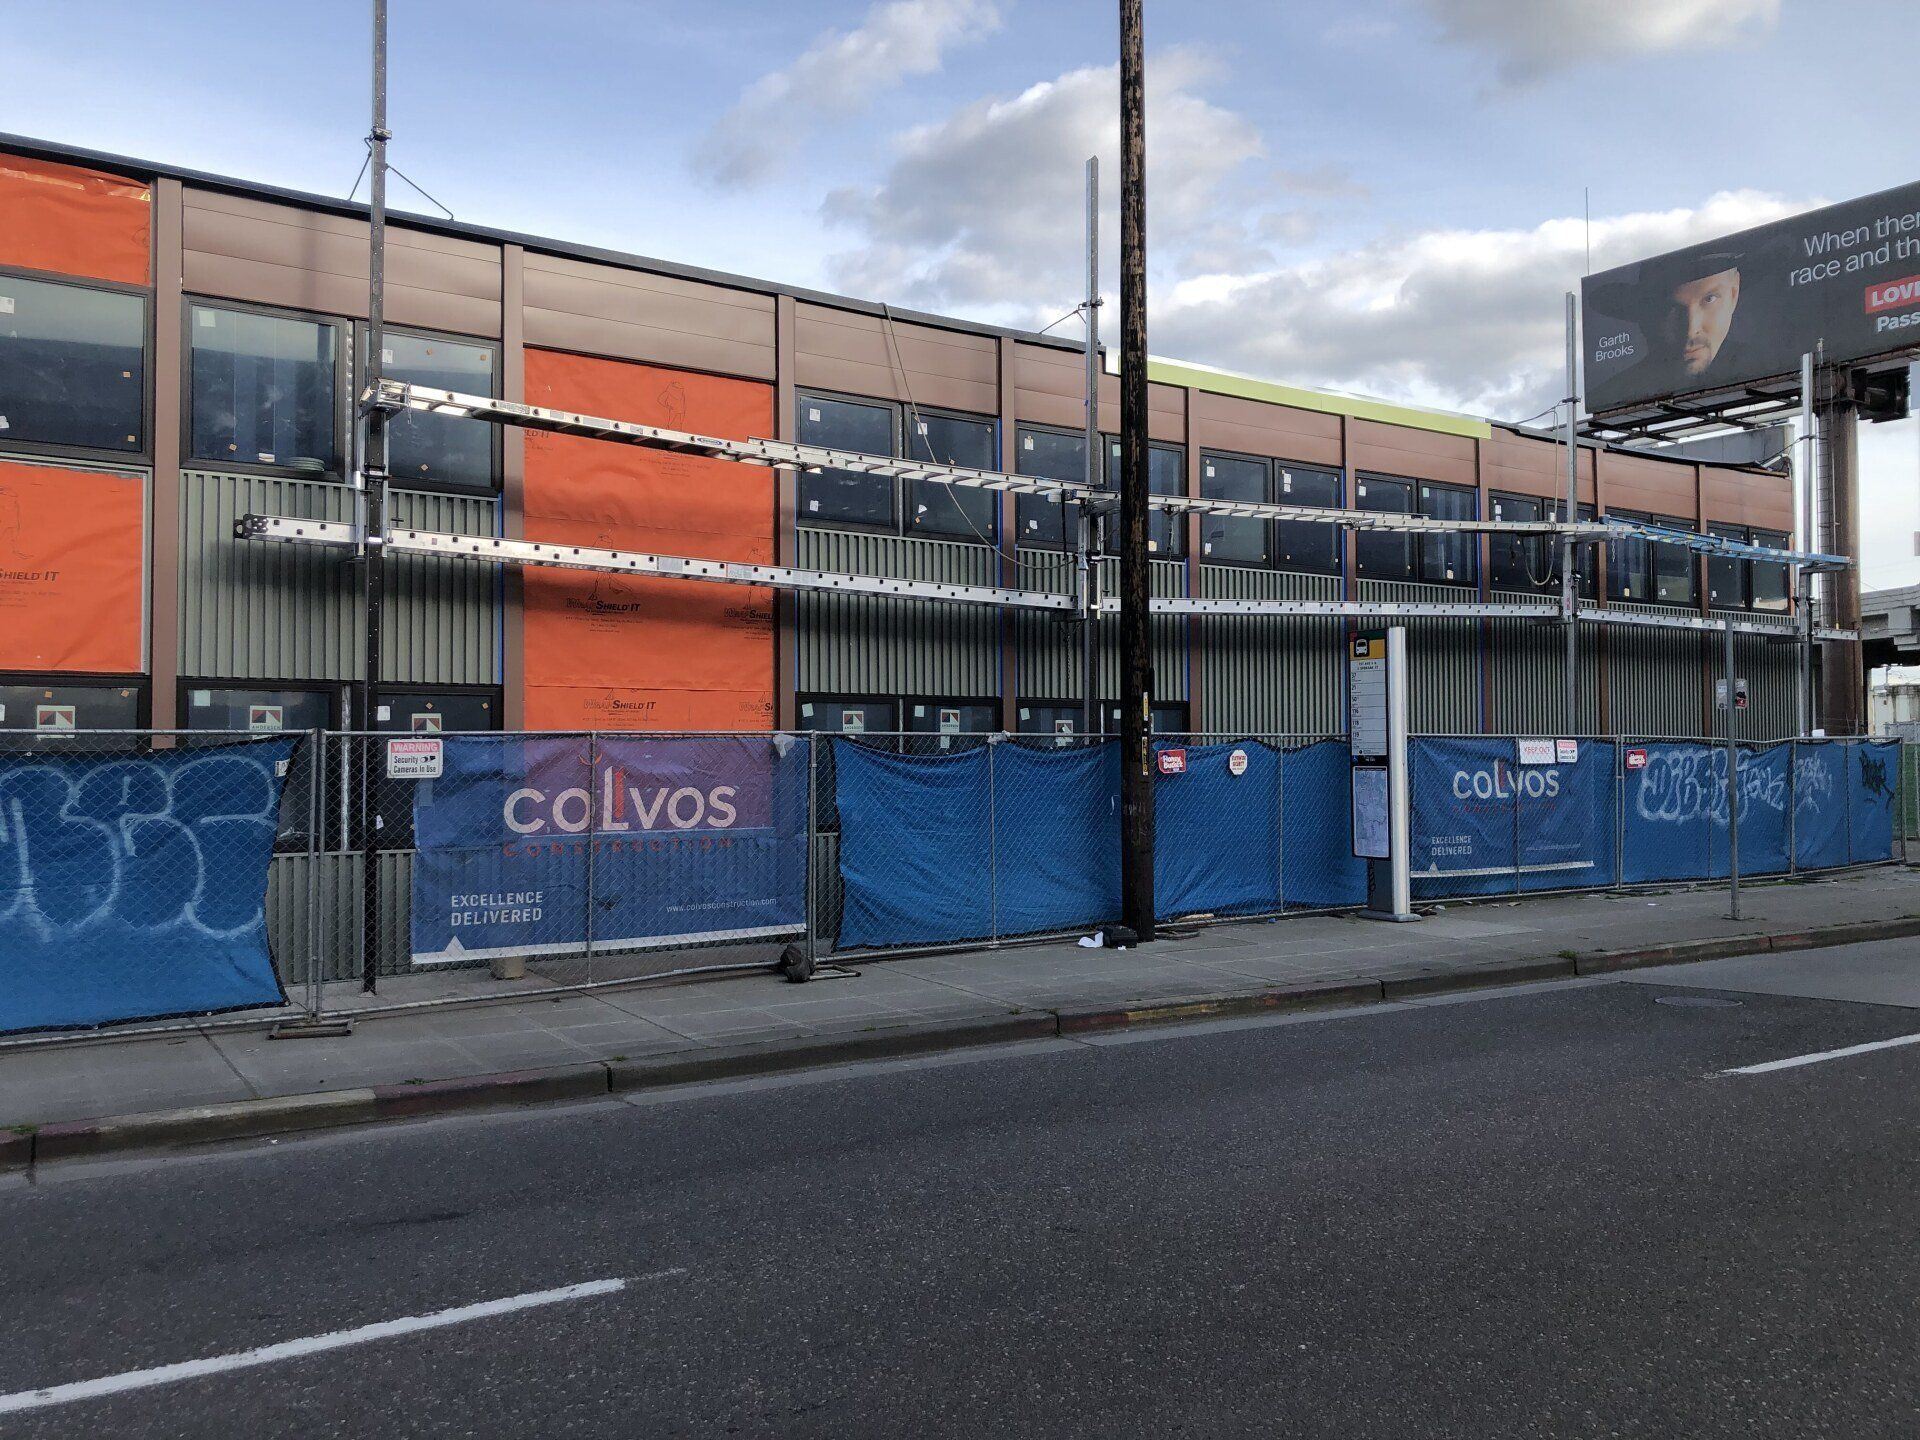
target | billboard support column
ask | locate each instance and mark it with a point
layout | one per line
(1568, 609)
(1837, 424)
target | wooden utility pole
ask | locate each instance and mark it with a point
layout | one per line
(1136, 655)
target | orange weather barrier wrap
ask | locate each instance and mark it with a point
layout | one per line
(609, 653)
(71, 543)
(73, 221)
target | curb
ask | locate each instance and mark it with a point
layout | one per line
(28, 1146)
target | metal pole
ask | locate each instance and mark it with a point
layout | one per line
(1399, 796)
(1841, 679)
(1733, 784)
(813, 840)
(1136, 656)
(993, 842)
(1096, 465)
(1805, 470)
(1569, 609)
(372, 487)
(594, 821)
(316, 768)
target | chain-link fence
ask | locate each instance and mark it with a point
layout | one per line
(157, 874)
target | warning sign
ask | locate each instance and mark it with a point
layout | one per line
(409, 759)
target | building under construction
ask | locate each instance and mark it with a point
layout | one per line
(180, 351)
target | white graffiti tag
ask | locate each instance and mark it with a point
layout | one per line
(147, 844)
(1679, 786)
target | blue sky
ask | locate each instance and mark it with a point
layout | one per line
(1381, 195)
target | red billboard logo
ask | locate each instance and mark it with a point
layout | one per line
(1893, 295)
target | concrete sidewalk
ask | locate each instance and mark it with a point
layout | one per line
(564, 1044)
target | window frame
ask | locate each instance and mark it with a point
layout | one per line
(1177, 520)
(387, 693)
(900, 416)
(1420, 493)
(828, 697)
(903, 489)
(1037, 427)
(1743, 569)
(83, 680)
(1269, 464)
(498, 445)
(1411, 575)
(1775, 540)
(185, 685)
(140, 458)
(343, 407)
(1283, 469)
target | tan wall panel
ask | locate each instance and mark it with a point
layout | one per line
(847, 351)
(1741, 497)
(1413, 454)
(1226, 422)
(1661, 487)
(637, 315)
(241, 249)
(1050, 389)
(1522, 466)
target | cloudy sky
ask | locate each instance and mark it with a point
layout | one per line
(1386, 196)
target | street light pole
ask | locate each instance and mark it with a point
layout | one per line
(373, 502)
(1136, 657)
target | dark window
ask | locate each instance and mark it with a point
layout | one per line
(1449, 559)
(849, 717)
(72, 366)
(1532, 563)
(1303, 544)
(441, 449)
(1630, 564)
(847, 497)
(1050, 455)
(1227, 539)
(959, 510)
(1381, 554)
(1058, 719)
(1726, 576)
(47, 712)
(1771, 582)
(957, 723)
(1166, 475)
(268, 712)
(1164, 719)
(1676, 569)
(262, 390)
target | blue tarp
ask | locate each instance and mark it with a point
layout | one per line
(933, 849)
(1874, 775)
(694, 839)
(1318, 867)
(135, 888)
(1217, 834)
(1676, 811)
(1820, 796)
(1485, 824)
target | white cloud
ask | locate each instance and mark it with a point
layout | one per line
(1465, 319)
(1530, 37)
(985, 209)
(838, 74)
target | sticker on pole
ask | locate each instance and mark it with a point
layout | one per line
(1237, 763)
(411, 758)
(1636, 760)
(1173, 762)
(1536, 752)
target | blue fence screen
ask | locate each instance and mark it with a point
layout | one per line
(1217, 847)
(1484, 823)
(693, 840)
(134, 888)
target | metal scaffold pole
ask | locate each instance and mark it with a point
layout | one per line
(1096, 458)
(1136, 660)
(1569, 608)
(1808, 471)
(373, 499)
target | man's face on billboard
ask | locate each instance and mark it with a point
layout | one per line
(1706, 307)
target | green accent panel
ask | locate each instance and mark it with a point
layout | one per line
(1654, 676)
(1270, 675)
(1526, 661)
(1219, 382)
(1047, 646)
(1443, 659)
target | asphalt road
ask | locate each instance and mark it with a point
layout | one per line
(1544, 1213)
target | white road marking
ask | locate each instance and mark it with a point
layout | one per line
(1840, 1054)
(311, 1345)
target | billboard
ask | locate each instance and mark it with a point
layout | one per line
(1747, 307)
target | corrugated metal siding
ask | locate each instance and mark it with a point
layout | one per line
(1047, 647)
(336, 896)
(1526, 683)
(1443, 659)
(1770, 668)
(1262, 675)
(861, 645)
(1654, 676)
(251, 610)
